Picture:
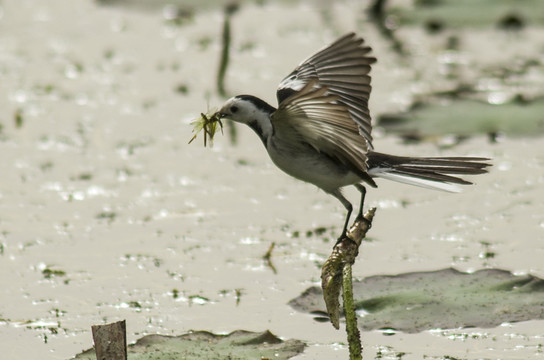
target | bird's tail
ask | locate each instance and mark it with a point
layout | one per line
(428, 172)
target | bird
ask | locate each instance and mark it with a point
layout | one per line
(320, 132)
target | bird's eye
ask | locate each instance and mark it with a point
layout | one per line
(233, 109)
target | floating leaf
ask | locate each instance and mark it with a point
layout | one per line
(467, 117)
(470, 13)
(197, 345)
(446, 299)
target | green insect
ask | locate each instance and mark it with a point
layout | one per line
(208, 123)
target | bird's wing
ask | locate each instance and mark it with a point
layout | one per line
(343, 67)
(320, 119)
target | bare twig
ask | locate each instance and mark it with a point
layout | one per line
(336, 275)
(354, 337)
(229, 10)
(268, 258)
(110, 341)
(225, 53)
(379, 16)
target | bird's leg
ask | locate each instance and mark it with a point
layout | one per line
(362, 189)
(345, 229)
(337, 194)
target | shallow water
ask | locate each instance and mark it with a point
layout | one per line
(106, 213)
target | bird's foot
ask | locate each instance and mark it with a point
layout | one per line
(342, 237)
(360, 217)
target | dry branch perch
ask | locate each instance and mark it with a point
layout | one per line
(336, 275)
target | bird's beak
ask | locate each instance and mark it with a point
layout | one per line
(223, 113)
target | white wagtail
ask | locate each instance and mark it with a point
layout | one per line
(321, 131)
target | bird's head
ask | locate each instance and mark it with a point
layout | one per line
(246, 109)
(249, 110)
(238, 109)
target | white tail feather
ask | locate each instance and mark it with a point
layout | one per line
(410, 180)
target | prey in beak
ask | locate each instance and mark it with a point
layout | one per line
(208, 123)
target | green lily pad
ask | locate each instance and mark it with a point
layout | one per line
(199, 345)
(442, 299)
(481, 13)
(468, 117)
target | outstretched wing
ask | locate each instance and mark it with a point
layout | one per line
(320, 119)
(343, 68)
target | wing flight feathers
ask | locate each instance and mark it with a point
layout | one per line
(343, 69)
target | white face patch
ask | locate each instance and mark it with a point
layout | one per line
(251, 111)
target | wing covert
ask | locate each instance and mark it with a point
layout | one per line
(320, 119)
